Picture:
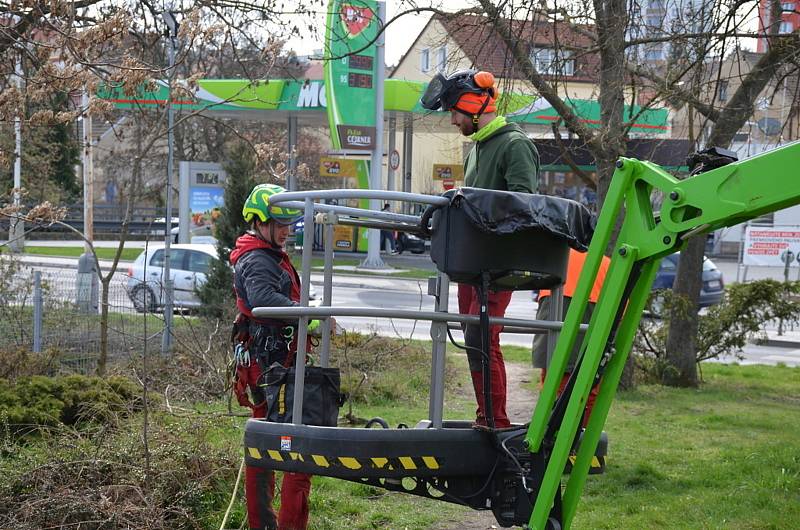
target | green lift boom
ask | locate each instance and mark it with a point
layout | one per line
(725, 196)
(518, 472)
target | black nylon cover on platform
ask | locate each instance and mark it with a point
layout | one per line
(508, 212)
(521, 240)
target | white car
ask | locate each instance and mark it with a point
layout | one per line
(189, 265)
(195, 231)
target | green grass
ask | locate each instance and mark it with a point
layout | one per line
(66, 327)
(511, 354)
(726, 455)
(128, 254)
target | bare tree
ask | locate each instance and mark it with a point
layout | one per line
(699, 34)
(780, 59)
(68, 47)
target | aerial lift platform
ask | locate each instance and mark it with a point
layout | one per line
(518, 472)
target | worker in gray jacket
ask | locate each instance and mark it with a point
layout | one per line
(265, 277)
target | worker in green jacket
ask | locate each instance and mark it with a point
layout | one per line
(502, 158)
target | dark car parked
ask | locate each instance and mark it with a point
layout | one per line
(713, 284)
(410, 242)
(710, 293)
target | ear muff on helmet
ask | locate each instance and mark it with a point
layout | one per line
(485, 80)
(257, 206)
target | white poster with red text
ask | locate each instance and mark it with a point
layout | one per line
(769, 246)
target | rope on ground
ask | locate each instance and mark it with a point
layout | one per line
(233, 496)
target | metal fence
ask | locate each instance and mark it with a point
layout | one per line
(144, 221)
(49, 309)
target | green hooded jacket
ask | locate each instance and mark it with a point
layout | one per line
(505, 160)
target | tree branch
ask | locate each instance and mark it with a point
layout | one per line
(566, 157)
(740, 106)
(671, 89)
(545, 89)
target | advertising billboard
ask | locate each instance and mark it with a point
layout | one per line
(769, 246)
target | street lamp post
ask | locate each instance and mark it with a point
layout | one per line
(87, 286)
(88, 173)
(166, 340)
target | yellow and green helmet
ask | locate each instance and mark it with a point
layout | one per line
(257, 206)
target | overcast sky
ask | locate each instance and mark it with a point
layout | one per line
(399, 36)
(402, 33)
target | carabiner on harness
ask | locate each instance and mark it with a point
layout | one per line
(241, 355)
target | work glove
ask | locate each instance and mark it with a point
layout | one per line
(315, 327)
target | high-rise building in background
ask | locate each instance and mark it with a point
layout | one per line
(790, 19)
(657, 19)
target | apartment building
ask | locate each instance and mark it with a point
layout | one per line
(447, 44)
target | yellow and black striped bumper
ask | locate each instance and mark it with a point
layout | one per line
(376, 453)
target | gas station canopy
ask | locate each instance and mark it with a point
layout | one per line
(280, 99)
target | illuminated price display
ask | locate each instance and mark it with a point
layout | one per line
(355, 80)
(207, 178)
(361, 62)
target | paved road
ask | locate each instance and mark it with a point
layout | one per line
(383, 292)
(399, 296)
(763, 354)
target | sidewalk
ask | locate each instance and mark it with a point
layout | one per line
(731, 271)
(789, 339)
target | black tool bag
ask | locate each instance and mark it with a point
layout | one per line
(321, 395)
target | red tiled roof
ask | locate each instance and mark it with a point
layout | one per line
(477, 38)
(315, 70)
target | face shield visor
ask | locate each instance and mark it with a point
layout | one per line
(443, 92)
(432, 98)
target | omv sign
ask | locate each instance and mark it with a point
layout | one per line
(312, 94)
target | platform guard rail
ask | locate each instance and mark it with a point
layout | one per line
(329, 215)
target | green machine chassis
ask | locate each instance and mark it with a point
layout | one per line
(518, 472)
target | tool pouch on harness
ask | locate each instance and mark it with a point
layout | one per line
(270, 345)
(257, 346)
(321, 395)
(240, 363)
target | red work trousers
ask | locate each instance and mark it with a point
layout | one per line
(589, 400)
(469, 303)
(259, 488)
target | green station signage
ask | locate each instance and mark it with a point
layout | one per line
(350, 72)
